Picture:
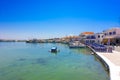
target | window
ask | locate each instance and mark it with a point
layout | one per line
(98, 36)
(110, 33)
(114, 33)
(88, 37)
(92, 37)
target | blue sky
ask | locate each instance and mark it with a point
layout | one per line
(26, 19)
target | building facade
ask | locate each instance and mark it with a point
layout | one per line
(111, 36)
(99, 37)
(87, 37)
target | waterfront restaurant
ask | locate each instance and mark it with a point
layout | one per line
(112, 37)
(87, 37)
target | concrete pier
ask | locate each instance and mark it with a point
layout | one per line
(113, 62)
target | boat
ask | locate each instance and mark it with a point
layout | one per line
(77, 45)
(54, 49)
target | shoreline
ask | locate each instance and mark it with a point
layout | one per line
(114, 70)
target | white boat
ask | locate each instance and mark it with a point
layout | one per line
(54, 49)
(77, 45)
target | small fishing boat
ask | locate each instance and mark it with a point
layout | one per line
(54, 49)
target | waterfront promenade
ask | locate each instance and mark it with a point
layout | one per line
(113, 61)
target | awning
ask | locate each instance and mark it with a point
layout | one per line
(108, 40)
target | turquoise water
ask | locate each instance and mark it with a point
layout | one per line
(22, 61)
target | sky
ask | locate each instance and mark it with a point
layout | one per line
(27, 19)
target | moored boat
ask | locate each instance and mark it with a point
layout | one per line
(54, 49)
(76, 45)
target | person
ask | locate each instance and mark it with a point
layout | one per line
(110, 49)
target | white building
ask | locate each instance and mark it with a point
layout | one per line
(112, 35)
(99, 37)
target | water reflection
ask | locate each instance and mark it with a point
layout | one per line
(54, 53)
(85, 51)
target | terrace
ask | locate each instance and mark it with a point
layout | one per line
(100, 47)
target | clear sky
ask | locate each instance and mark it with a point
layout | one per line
(26, 19)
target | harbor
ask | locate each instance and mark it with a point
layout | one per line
(104, 47)
(59, 39)
(35, 62)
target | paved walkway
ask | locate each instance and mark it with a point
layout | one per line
(113, 61)
(113, 57)
(117, 48)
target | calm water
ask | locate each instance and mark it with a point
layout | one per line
(21, 61)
